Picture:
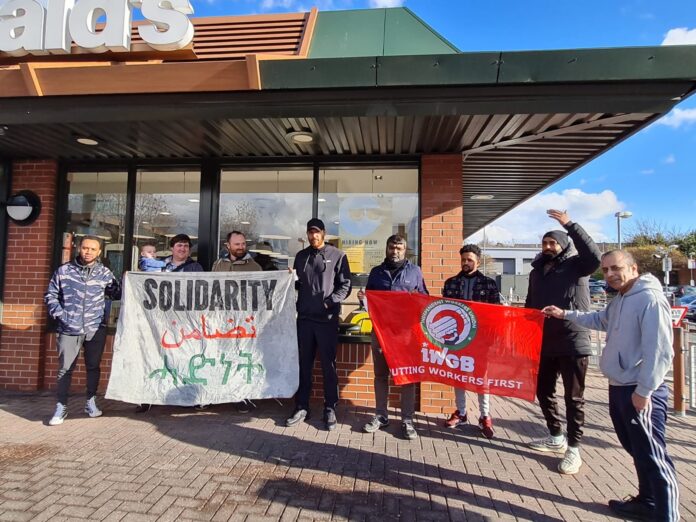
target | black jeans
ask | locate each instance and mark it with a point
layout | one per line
(69, 349)
(572, 369)
(313, 336)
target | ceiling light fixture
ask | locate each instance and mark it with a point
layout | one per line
(165, 213)
(303, 137)
(482, 197)
(194, 200)
(84, 140)
(3, 129)
(245, 222)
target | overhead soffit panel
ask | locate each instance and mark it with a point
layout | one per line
(339, 136)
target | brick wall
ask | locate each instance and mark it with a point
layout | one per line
(441, 238)
(355, 377)
(27, 271)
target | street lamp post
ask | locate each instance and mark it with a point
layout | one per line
(619, 216)
(692, 265)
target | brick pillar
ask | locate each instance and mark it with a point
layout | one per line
(441, 238)
(27, 271)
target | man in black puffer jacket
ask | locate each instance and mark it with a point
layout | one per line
(560, 277)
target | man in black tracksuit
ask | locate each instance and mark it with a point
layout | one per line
(323, 282)
(560, 277)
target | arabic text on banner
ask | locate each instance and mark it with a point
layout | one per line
(205, 338)
(476, 346)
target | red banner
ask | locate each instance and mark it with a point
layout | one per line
(477, 346)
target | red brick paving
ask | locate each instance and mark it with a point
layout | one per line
(181, 464)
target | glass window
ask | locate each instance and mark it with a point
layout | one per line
(97, 206)
(166, 204)
(271, 208)
(361, 208)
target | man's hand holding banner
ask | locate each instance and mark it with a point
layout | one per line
(480, 347)
(205, 338)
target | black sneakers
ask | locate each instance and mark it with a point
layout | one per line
(298, 416)
(633, 508)
(330, 419)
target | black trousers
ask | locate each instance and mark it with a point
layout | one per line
(313, 336)
(572, 369)
(68, 350)
(642, 434)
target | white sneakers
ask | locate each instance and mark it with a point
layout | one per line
(91, 408)
(61, 412)
(59, 415)
(571, 462)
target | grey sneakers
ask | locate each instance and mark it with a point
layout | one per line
(551, 444)
(408, 431)
(376, 423)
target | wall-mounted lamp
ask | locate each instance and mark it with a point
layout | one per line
(23, 207)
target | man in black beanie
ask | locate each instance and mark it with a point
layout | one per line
(560, 274)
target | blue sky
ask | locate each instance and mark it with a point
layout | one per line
(652, 174)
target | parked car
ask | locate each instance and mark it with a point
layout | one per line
(691, 312)
(687, 300)
(597, 292)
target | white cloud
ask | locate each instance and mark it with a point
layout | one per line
(528, 222)
(678, 117)
(680, 36)
(670, 159)
(387, 3)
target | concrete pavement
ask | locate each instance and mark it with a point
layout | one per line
(181, 464)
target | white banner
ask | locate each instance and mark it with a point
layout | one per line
(205, 338)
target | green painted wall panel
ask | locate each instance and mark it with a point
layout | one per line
(406, 34)
(348, 33)
(448, 69)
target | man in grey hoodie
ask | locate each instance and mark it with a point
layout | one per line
(636, 358)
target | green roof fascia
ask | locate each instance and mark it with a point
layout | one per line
(374, 32)
(493, 68)
(677, 62)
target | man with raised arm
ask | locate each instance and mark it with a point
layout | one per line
(560, 277)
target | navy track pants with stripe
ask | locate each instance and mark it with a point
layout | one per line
(642, 434)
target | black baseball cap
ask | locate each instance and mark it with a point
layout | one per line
(315, 223)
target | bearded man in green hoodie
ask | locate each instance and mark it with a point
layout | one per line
(637, 356)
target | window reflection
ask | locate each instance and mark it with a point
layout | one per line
(271, 208)
(166, 204)
(363, 207)
(97, 207)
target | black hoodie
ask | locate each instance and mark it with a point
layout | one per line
(323, 281)
(565, 285)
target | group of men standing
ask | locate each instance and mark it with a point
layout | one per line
(636, 358)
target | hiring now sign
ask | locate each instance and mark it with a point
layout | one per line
(32, 27)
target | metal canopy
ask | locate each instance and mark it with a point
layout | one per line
(516, 135)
